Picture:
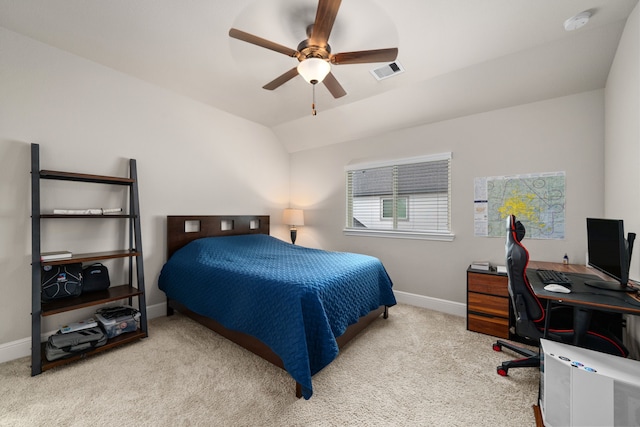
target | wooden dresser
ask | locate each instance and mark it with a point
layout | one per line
(488, 305)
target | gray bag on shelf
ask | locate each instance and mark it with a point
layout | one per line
(61, 345)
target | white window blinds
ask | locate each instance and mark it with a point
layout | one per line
(404, 195)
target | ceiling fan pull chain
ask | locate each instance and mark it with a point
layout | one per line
(313, 102)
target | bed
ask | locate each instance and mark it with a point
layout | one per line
(291, 305)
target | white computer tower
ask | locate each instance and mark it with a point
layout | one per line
(580, 387)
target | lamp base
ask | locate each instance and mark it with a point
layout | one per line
(294, 234)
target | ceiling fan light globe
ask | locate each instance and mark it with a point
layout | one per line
(314, 70)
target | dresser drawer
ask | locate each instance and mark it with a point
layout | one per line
(495, 326)
(487, 284)
(488, 304)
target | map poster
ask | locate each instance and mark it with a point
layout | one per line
(537, 200)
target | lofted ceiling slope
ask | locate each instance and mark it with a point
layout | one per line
(460, 56)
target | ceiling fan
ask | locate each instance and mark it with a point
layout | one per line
(314, 53)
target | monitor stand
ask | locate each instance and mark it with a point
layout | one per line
(608, 285)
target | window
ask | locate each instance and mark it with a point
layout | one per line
(402, 198)
(401, 208)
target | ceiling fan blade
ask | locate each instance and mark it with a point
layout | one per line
(325, 17)
(279, 81)
(365, 56)
(259, 41)
(334, 87)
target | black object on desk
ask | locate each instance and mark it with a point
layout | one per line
(591, 305)
(552, 276)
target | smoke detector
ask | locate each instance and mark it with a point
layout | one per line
(578, 21)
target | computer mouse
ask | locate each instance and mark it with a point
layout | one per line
(554, 287)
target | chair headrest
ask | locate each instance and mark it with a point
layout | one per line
(516, 226)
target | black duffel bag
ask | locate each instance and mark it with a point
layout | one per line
(61, 281)
(95, 277)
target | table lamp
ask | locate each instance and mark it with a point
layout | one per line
(293, 217)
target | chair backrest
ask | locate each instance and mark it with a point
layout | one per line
(528, 308)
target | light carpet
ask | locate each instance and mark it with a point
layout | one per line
(416, 368)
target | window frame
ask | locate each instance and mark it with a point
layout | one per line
(447, 235)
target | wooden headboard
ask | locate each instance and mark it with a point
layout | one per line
(183, 229)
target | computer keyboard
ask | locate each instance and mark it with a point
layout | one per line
(552, 276)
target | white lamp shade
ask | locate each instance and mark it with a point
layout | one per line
(314, 70)
(293, 217)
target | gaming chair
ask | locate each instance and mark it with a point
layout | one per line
(530, 313)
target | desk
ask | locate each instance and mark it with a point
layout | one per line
(584, 298)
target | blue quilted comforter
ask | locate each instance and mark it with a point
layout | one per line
(294, 299)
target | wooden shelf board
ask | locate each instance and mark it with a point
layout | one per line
(114, 293)
(94, 256)
(87, 216)
(112, 343)
(84, 177)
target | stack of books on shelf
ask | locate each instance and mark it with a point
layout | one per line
(481, 265)
(96, 211)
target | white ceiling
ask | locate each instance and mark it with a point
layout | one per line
(461, 56)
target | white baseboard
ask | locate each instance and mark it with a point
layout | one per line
(15, 350)
(157, 310)
(437, 304)
(22, 347)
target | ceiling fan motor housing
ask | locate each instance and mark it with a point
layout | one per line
(309, 51)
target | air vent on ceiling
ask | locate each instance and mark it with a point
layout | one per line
(387, 71)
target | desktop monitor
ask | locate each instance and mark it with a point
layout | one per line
(609, 252)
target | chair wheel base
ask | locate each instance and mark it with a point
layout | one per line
(502, 371)
(497, 347)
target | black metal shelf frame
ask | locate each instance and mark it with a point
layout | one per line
(133, 252)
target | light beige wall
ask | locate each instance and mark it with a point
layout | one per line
(622, 135)
(622, 153)
(564, 134)
(87, 118)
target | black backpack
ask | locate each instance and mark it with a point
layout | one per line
(61, 281)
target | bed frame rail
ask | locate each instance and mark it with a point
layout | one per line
(258, 347)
